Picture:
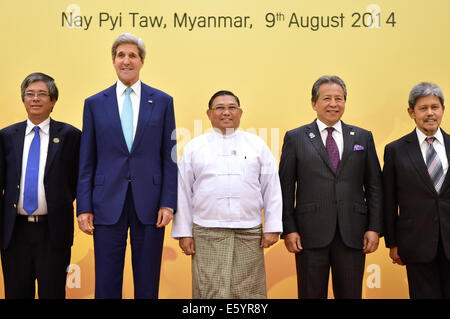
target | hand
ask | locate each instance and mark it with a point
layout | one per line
(371, 240)
(86, 223)
(268, 239)
(393, 253)
(293, 243)
(165, 215)
(187, 245)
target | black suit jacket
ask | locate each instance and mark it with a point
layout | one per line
(2, 176)
(60, 179)
(315, 199)
(415, 214)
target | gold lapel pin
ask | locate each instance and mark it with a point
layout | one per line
(150, 101)
(56, 140)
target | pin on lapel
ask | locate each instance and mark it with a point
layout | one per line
(311, 135)
(150, 101)
(352, 133)
(56, 140)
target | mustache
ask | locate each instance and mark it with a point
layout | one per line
(430, 118)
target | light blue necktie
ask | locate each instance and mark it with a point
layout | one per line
(30, 193)
(127, 119)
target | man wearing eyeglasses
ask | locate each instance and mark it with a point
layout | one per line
(40, 170)
(225, 179)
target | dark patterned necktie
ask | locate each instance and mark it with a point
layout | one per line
(434, 165)
(332, 149)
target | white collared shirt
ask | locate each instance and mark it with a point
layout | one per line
(44, 134)
(337, 135)
(135, 97)
(225, 181)
(438, 145)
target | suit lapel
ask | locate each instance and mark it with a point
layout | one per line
(348, 135)
(19, 139)
(112, 112)
(416, 157)
(313, 134)
(54, 143)
(146, 107)
(447, 151)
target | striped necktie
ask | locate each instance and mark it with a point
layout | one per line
(434, 165)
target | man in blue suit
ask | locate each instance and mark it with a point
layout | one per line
(128, 174)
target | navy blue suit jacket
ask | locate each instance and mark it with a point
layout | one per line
(106, 165)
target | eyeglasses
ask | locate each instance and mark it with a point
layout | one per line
(221, 109)
(30, 95)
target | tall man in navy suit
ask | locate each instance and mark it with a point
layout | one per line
(128, 174)
(40, 167)
(332, 196)
(417, 196)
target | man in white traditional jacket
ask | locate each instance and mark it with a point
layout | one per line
(227, 179)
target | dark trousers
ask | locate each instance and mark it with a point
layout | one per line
(30, 257)
(430, 280)
(347, 271)
(110, 242)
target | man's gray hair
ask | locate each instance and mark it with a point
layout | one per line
(424, 89)
(130, 39)
(327, 79)
(37, 76)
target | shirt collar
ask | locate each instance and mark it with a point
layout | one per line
(44, 126)
(218, 133)
(120, 87)
(422, 136)
(322, 126)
